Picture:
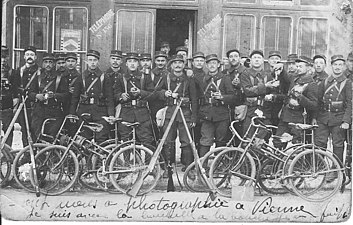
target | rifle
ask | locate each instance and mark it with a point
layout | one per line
(133, 191)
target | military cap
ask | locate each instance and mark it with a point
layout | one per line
(145, 56)
(116, 53)
(4, 51)
(304, 59)
(232, 50)
(132, 55)
(242, 55)
(71, 55)
(274, 53)
(259, 52)
(94, 53)
(60, 56)
(31, 48)
(350, 56)
(164, 44)
(176, 58)
(160, 54)
(335, 58)
(48, 56)
(319, 57)
(198, 55)
(292, 57)
(181, 48)
(212, 57)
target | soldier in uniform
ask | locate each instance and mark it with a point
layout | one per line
(48, 91)
(183, 51)
(174, 86)
(334, 114)
(146, 62)
(71, 76)
(319, 66)
(291, 65)
(302, 98)
(349, 63)
(8, 94)
(165, 47)
(23, 77)
(259, 88)
(93, 94)
(214, 110)
(115, 70)
(133, 90)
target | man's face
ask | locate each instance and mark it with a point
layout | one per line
(337, 67)
(213, 65)
(234, 58)
(184, 54)
(92, 62)
(319, 65)
(115, 61)
(3, 63)
(257, 61)
(292, 67)
(302, 67)
(273, 60)
(349, 64)
(30, 57)
(178, 66)
(198, 62)
(60, 65)
(132, 64)
(48, 64)
(160, 62)
(146, 63)
(71, 63)
(165, 49)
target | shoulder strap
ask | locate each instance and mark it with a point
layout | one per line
(341, 88)
(47, 86)
(334, 84)
(102, 81)
(84, 82)
(168, 81)
(72, 82)
(57, 82)
(160, 78)
(125, 84)
(142, 81)
(252, 80)
(32, 78)
(91, 85)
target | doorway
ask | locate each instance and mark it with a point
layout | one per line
(175, 26)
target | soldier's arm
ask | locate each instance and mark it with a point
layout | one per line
(251, 90)
(63, 90)
(33, 89)
(309, 97)
(347, 118)
(194, 100)
(161, 89)
(119, 89)
(108, 93)
(78, 90)
(147, 92)
(229, 94)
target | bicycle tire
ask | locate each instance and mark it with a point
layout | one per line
(6, 165)
(127, 166)
(232, 172)
(87, 171)
(313, 189)
(270, 177)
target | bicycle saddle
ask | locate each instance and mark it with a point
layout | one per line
(111, 120)
(95, 127)
(283, 138)
(131, 124)
(303, 126)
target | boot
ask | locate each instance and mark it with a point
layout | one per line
(186, 157)
(203, 151)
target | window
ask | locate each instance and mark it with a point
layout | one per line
(70, 30)
(276, 34)
(135, 31)
(312, 36)
(279, 2)
(240, 1)
(239, 32)
(30, 28)
(315, 2)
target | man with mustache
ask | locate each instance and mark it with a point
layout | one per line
(71, 75)
(48, 91)
(93, 94)
(291, 66)
(133, 89)
(115, 70)
(23, 77)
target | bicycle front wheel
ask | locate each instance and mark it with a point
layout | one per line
(320, 173)
(127, 166)
(5, 166)
(232, 167)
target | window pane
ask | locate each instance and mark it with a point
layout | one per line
(276, 33)
(70, 29)
(240, 1)
(31, 27)
(314, 2)
(312, 36)
(134, 31)
(239, 32)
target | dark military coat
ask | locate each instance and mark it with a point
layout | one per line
(8, 90)
(232, 73)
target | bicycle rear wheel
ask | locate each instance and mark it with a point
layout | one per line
(232, 167)
(320, 173)
(6, 165)
(87, 173)
(127, 166)
(270, 177)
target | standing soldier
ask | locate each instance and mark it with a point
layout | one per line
(234, 72)
(93, 94)
(146, 63)
(301, 99)
(23, 77)
(8, 94)
(335, 108)
(349, 71)
(165, 47)
(319, 66)
(214, 110)
(133, 90)
(71, 76)
(258, 86)
(48, 91)
(177, 85)
(291, 65)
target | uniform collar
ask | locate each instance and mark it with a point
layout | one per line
(339, 79)
(303, 79)
(110, 70)
(239, 68)
(177, 78)
(320, 76)
(133, 75)
(32, 69)
(96, 73)
(256, 73)
(157, 71)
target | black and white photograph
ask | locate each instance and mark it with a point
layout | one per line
(176, 111)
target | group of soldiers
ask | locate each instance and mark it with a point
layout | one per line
(295, 90)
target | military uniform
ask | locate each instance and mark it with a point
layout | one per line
(214, 114)
(186, 90)
(135, 109)
(301, 99)
(96, 100)
(48, 82)
(71, 76)
(335, 108)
